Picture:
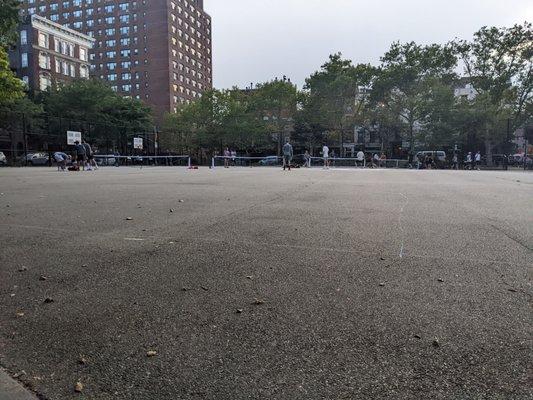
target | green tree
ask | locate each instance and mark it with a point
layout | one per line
(333, 103)
(274, 104)
(11, 88)
(9, 19)
(407, 80)
(498, 63)
(218, 119)
(94, 108)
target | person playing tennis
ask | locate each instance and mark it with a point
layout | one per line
(287, 155)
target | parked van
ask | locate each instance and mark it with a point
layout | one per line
(439, 156)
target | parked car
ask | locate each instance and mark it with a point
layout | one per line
(270, 160)
(35, 159)
(436, 155)
(3, 159)
(106, 159)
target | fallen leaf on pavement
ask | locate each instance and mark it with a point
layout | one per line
(48, 300)
(78, 387)
(129, 218)
(19, 314)
(151, 353)
(258, 302)
(23, 268)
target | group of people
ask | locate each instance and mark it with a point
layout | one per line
(372, 161)
(81, 159)
(471, 163)
(229, 157)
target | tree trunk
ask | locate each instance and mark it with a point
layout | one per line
(488, 152)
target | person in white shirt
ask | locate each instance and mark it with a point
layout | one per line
(468, 161)
(325, 155)
(478, 159)
(360, 158)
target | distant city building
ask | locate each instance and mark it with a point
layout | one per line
(49, 54)
(465, 90)
(155, 50)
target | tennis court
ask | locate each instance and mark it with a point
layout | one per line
(254, 283)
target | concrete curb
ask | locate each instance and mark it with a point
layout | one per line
(10, 389)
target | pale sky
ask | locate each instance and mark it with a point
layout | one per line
(257, 40)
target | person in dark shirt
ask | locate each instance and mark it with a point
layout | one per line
(287, 155)
(90, 157)
(81, 154)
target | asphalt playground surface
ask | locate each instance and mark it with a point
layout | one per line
(164, 283)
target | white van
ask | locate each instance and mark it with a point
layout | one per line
(437, 155)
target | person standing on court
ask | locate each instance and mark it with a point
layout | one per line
(287, 155)
(81, 154)
(307, 159)
(468, 161)
(227, 155)
(478, 159)
(455, 162)
(360, 158)
(233, 157)
(325, 155)
(88, 155)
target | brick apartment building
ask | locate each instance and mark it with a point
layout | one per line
(158, 51)
(49, 54)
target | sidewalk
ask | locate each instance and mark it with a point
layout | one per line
(10, 389)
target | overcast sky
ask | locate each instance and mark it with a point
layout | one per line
(257, 40)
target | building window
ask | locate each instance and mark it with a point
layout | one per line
(84, 71)
(44, 82)
(83, 54)
(72, 68)
(112, 77)
(23, 37)
(43, 40)
(44, 61)
(24, 60)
